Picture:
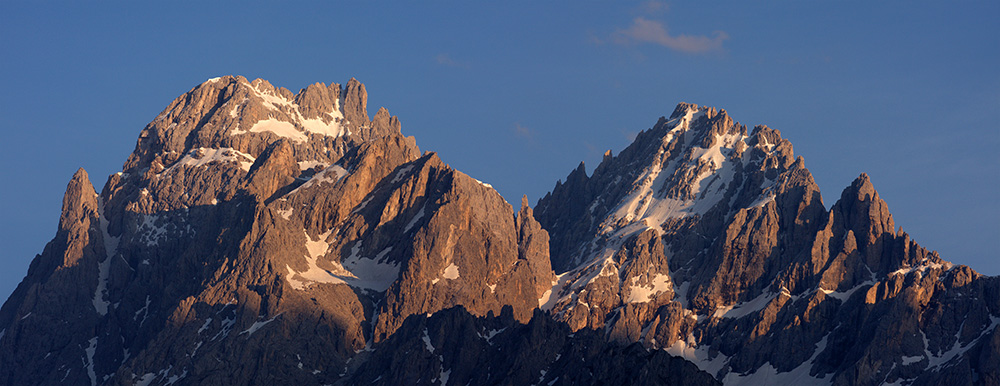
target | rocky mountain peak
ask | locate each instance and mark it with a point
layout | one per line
(680, 168)
(79, 201)
(699, 230)
(260, 236)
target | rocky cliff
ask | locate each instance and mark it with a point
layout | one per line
(256, 236)
(712, 242)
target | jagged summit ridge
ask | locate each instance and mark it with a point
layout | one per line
(247, 213)
(256, 236)
(233, 113)
(714, 244)
(683, 167)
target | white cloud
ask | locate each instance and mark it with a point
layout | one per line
(644, 30)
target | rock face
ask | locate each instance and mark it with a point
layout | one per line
(713, 244)
(256, 236)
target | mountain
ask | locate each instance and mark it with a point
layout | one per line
(256, 236)
(713, 243)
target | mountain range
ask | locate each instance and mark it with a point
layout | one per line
(259, 236)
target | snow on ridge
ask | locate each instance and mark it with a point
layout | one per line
(299, 127)
(483, 184)
(708, 172)
(920, 269)
(203, 156)
(647, 204)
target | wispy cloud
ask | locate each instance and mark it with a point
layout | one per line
(446, 60)
(523, 132)
(653, 7)
(644, 30)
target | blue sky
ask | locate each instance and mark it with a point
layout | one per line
(518, 93)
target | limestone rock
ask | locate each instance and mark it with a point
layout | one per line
(259, 236)
(758, 277)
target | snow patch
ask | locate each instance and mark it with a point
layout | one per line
(256, 326)
(175, 378)
(401, 173)
(947, 266)
(331, 174)
(90, 361)
(451, 272)
(202, 156)
(205, 326)
(150, 233)
(547, 300)
(444, 377)
(957, 349)
(746, 308)
(427, 342)
(363, 204)
(689, 350)
(356, 271)
(305, 165)
(490, 334)
(417, 217)
(642, 294)
(279, 128)
(317, 126)
(144, 311)
(146, 379)
(104, 267)
(843, 296)
(227, 325)
(763, 200)
(331, 126)
(768, 375)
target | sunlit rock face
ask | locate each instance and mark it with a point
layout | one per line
(711, 241)
(260, 236)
